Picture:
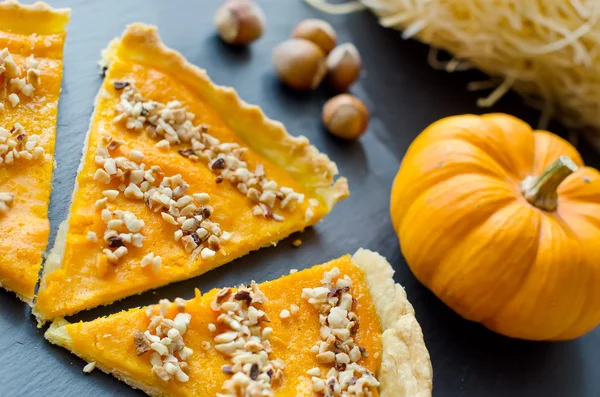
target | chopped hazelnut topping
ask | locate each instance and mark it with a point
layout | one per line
(337, 348)
(141, 342)
(154, 261)
(122, 227)
(284, 314)
(10, 75)
(119, 85)
(171, 124)
(189, 212)
(91, 236)
(89, 367)
(245, 342)
(163, 339)
(180, 303)
(6, 201)
(111, 195)
(17, 144)
(163, 144)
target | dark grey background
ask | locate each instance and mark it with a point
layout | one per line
(403, 94)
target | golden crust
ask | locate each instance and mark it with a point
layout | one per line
(405, 369)
(58, 335)
(141, 43)
(37, 18)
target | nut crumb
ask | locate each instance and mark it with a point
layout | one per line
(141, 342)
(89, 367)
(91, 236)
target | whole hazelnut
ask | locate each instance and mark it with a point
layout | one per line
(318, 31)
(239, 22)
(345, 116)
(343, 66)
(299, 64)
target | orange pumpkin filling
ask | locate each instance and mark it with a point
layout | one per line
(111, 344)
(164, 138)
(31, 51)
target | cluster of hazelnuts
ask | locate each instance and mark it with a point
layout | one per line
(305, 60)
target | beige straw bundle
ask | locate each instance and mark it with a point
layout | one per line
(547, 50)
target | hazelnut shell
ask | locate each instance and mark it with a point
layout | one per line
(299, 64)
(345, 116)
(239, 22)
(318, 31)
(343, 66)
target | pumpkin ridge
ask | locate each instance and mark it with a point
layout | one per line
(495, 142)
(526, 275)
(491, 207)
(582, 186)
(466, 239)
(516, 297)
(506, 125)
(548, 147)
(406, 178)
(591, 282)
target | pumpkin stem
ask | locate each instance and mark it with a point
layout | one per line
(541, 191)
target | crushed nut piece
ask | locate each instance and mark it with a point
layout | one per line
(17, 144)
(189, 212)
(89, 367)
(141, 341)
(10, 77)
(122, 227)
(91, 236)
(6, 201)
(164, 336)
(337, 348)
(245, 343)
(171, 123)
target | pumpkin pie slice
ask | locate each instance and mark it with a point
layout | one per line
(178, 176)
(341, 328)
(31, 51)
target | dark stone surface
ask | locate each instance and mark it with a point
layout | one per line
(404, 95)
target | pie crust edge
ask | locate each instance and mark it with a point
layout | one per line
(402, 337)
(16, 17)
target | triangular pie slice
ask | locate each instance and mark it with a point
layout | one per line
(179, 176)
(31, 51)
(341, 328)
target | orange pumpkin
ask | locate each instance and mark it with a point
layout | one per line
(502, 223)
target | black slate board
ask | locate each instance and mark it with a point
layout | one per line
(404, 95)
